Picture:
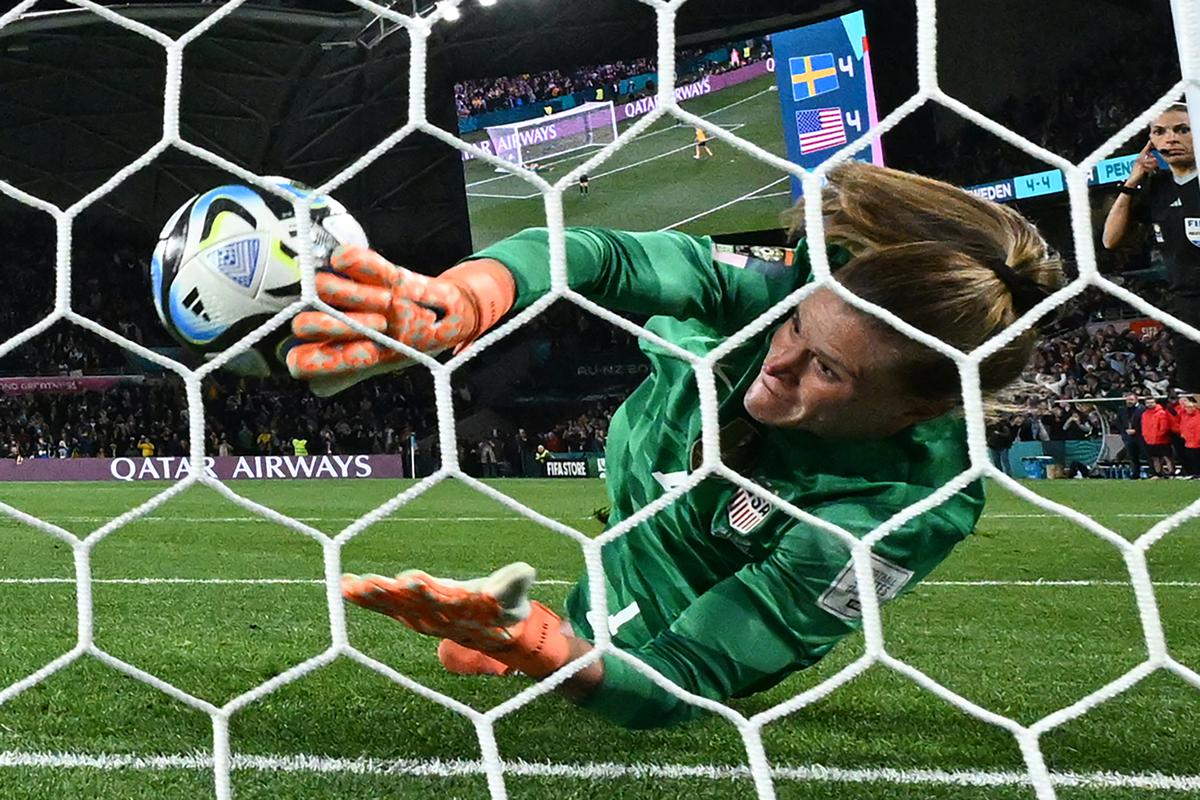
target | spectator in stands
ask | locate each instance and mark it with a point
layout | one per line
(1157, 424)
(523, 451)
(1076, 426)
(488, 461)
(1053, 382)
(1156, 384)
(1027, 428)
(1054, 420)
(999, 436)
(1129, 421)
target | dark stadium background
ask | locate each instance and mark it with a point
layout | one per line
(304, 88)
(289, 88)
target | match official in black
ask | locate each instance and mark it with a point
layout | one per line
(1168, 200)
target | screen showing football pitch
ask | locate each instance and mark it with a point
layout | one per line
(799, 94)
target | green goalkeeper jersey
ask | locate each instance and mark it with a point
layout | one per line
(721, 592)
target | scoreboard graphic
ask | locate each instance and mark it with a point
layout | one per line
(826, 96)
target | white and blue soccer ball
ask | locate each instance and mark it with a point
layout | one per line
(228, 260)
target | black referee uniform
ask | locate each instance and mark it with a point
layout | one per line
(1172, 210)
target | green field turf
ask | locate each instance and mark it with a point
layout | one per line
(981, 627)
(653, 182)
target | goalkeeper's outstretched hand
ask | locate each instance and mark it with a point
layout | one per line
(427, 314)
(492, 616)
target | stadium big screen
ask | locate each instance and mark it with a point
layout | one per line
(801, 92)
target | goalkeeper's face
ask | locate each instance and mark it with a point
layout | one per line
(831, 372)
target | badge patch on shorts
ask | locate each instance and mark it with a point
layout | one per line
(1191, 226)
(841, 598)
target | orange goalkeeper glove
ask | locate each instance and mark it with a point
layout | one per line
(491, 615)
(427, 314)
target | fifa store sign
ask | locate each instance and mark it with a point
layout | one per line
(576, 465)
(566, 469)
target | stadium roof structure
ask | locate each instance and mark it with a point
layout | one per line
(267, 87)
(302, 87)
(291, 88)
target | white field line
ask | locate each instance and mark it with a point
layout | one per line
(1094, 514)
(493, 196)
(613, 171)
(252, 518)
(674, 127)
(593, 770)
(1034, 583)
(484, 518)
(734, 201)
(203, 581)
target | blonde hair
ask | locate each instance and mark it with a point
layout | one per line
(958, 267)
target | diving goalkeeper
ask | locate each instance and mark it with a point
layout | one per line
(831, 410)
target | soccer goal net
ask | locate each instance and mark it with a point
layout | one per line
(535, 140)
(594, 125)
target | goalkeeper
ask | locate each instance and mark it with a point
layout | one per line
(832, 410)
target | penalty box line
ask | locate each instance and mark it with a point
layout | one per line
(747, 196)
(622, 168)
(676, 126)
(592, 771)
(732, 126)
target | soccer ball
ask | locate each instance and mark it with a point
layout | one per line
(228, 260)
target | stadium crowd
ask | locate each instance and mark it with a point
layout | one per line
(244, 417)
(572, 354)
(494, 94)
(522, 455)
(482, 95)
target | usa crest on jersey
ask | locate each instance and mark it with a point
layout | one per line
(747, 511)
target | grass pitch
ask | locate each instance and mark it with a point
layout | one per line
(174, 596)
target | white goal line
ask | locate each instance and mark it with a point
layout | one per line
(481, 518)
(1048, 583)
(316, 764)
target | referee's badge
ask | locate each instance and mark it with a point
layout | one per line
(1191, 226)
